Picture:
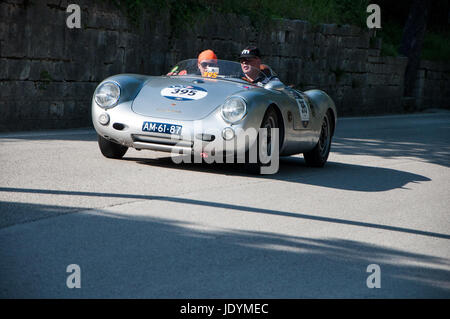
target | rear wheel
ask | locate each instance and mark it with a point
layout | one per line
(110, 149)
(318, 156)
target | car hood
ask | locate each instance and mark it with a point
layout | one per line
(186, 98)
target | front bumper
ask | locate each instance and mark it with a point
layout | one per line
(201, 136)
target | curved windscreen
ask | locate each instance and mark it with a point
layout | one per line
(220, 69)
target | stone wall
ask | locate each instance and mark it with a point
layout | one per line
(432, 85)
(48, 72)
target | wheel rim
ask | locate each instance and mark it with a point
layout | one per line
(324, 140)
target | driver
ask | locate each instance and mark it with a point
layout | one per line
(255, 72)
(206, 59)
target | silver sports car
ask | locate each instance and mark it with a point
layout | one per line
(215, 111)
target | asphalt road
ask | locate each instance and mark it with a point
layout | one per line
(146, 227)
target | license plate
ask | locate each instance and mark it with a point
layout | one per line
(161, 128)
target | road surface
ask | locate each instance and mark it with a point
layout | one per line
(144, 227)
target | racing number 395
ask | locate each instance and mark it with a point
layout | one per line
(183, 91)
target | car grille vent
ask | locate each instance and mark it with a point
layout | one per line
(162, 140)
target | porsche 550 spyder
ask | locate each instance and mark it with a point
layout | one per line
(188, 110)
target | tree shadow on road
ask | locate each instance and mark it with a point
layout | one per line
(22, 213)
(138, 256)
(436, 153)
(426, 140)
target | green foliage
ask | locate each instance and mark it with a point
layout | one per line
(134, 9)
(391, 33)
(389, 49)
(45, 76)
(436, 46)
(44, 80)
(181, 13)
(186, 12)
(260, 12)
(314, 11)
(333, 11)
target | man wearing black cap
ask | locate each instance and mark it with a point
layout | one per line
(254, 71)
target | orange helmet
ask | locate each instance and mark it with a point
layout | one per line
(207, 55)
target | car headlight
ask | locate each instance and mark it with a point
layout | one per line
(107, 95)
(234, 109)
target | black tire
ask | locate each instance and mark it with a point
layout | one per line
(110, 149)
(318, 156)
(269, 121)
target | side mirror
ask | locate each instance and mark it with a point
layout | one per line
(275, 85)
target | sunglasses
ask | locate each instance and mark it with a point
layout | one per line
(206, 64)
(246, 60)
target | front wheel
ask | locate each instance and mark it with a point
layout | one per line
(269, 122)
(318, 156)
(110, 149)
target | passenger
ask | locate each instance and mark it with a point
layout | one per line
(206, 59)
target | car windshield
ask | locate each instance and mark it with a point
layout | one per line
(220, 69)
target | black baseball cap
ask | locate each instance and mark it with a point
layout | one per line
(250, 52)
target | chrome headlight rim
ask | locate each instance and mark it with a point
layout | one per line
(117, 85)
(243, 114)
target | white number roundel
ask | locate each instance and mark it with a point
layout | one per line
(184, 92)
